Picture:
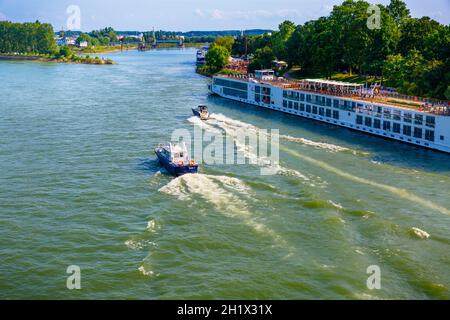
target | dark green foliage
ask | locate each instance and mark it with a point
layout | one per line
(410, 54)
(217, 58)
(262, 60)
(37, 38)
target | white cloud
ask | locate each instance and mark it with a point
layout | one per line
(282, 13)
(217, 14)
(198, 12)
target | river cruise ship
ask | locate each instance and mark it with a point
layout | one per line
(418, 121)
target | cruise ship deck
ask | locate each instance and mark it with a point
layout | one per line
(419, 121)
(352, 91)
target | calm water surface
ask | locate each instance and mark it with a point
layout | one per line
(81, 186)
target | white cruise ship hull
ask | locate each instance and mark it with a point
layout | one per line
(403, 124)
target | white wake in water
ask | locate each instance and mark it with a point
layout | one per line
(242, 125)
(221, 191)
(218, 123)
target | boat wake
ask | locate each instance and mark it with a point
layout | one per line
(222, 192)
(218, 124)
(139, 244)
(402, 193)
(242, 125)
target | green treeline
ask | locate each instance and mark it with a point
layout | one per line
(35, 38)
(410, 54)
(38, 39)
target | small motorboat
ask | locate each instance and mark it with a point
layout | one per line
(201, 112)
(175, 158)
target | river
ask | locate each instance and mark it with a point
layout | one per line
(81, 186)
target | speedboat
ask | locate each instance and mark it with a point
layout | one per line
(175, 158)
(201, 112)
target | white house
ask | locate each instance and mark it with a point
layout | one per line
(83, 44)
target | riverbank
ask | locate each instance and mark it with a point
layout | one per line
(106, 49)
(76, 59)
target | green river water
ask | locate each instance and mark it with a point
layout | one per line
(80, 186)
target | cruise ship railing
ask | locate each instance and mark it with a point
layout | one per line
(433, 106)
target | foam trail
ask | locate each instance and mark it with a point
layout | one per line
(218, 190)
(202, 124)
(397, 191)
(231, 127)
(139, 244)
(242, 125)
(320, 145)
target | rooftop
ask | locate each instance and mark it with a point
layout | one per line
(353, 91)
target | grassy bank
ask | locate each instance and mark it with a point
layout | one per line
(295, 73)
(207, 72)
(105, 49)
(62, 59)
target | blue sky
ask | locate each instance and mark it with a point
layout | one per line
(186, 15)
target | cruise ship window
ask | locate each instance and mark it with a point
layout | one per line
(442, 138)
(336, 114)
(302, 97)
(328, 102)
(386, 125)
(407, 117)
(379, 110)
(387, 113)
(396, 127)
(321, 111)
(290, 105)
(328, 113)
(418, 119)
(377, 124)
(407, 130)
(359, 119)
(302, 107)
(417, 132)
(429, 135)
(368, 122)
(430, 121)
(284, 104)
(397, 115)
(308, 108)
(314, 110)
(296, 105)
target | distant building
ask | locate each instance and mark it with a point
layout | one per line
(67, 41)
(70, 41)
(83, 44)
(60, 41)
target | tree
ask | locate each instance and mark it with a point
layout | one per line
(65, 51)
(263, 59)
(84, 37)
(398, 10)
(226, 42)
(217, 58)
(351, 33)
(447, 93)
(413, 33)
(382, 43)
(27, 38)
(279, 39)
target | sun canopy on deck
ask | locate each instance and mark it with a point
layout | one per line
(331, 86)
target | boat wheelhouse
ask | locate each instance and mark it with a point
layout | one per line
(175, 158)
(201, 112)
(418, 121)
(201, 56)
